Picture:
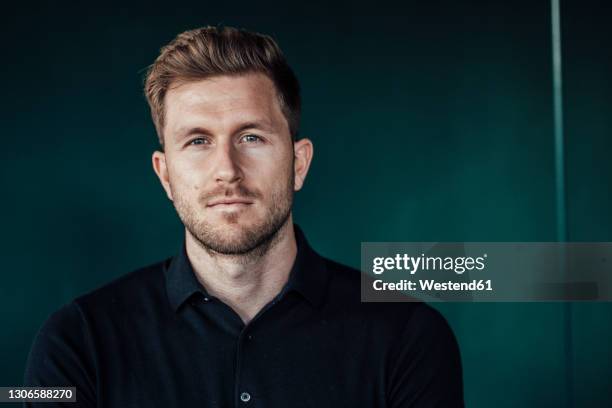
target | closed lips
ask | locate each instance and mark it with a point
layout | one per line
(228, 201)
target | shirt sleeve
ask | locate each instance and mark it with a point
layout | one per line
(61, 355)
(426, 371)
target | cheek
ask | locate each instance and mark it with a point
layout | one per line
(273, 174)
(185, 180)
(277, 162)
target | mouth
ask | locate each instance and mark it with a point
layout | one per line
(229, 203)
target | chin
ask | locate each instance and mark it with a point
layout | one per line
(232, 230)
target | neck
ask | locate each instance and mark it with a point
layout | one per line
(246, 283)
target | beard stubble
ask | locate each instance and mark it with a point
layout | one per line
(251, 241)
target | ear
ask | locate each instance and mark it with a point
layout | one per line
(160, 168)
(303, 150)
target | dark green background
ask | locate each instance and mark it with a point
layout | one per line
(432, 121)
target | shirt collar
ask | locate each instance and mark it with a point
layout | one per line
(308, 275)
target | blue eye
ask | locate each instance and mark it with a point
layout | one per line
(251, 138)
(197, 141)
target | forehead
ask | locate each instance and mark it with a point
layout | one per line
(223, 101)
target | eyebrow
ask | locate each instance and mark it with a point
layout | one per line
(260, 125)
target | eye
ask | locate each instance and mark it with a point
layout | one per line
(250, 138)
(198, 141)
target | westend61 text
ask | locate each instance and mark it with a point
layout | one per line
(432, 285)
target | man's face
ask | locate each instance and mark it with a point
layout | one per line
(229, 163)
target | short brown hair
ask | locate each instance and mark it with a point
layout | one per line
(209, 51)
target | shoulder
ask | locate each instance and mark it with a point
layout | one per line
(138, 286)
(424, 361)
(344, 293)
(61, 353)
(67, 335)
(65, 322)
(130, 287)
(121, 299)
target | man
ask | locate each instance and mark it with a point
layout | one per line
(247, 314)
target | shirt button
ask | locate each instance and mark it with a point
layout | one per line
(250, 337)
(206, 299)
(245, 397)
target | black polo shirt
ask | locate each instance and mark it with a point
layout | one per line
(156, 338)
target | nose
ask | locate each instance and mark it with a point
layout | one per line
(226, 164)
